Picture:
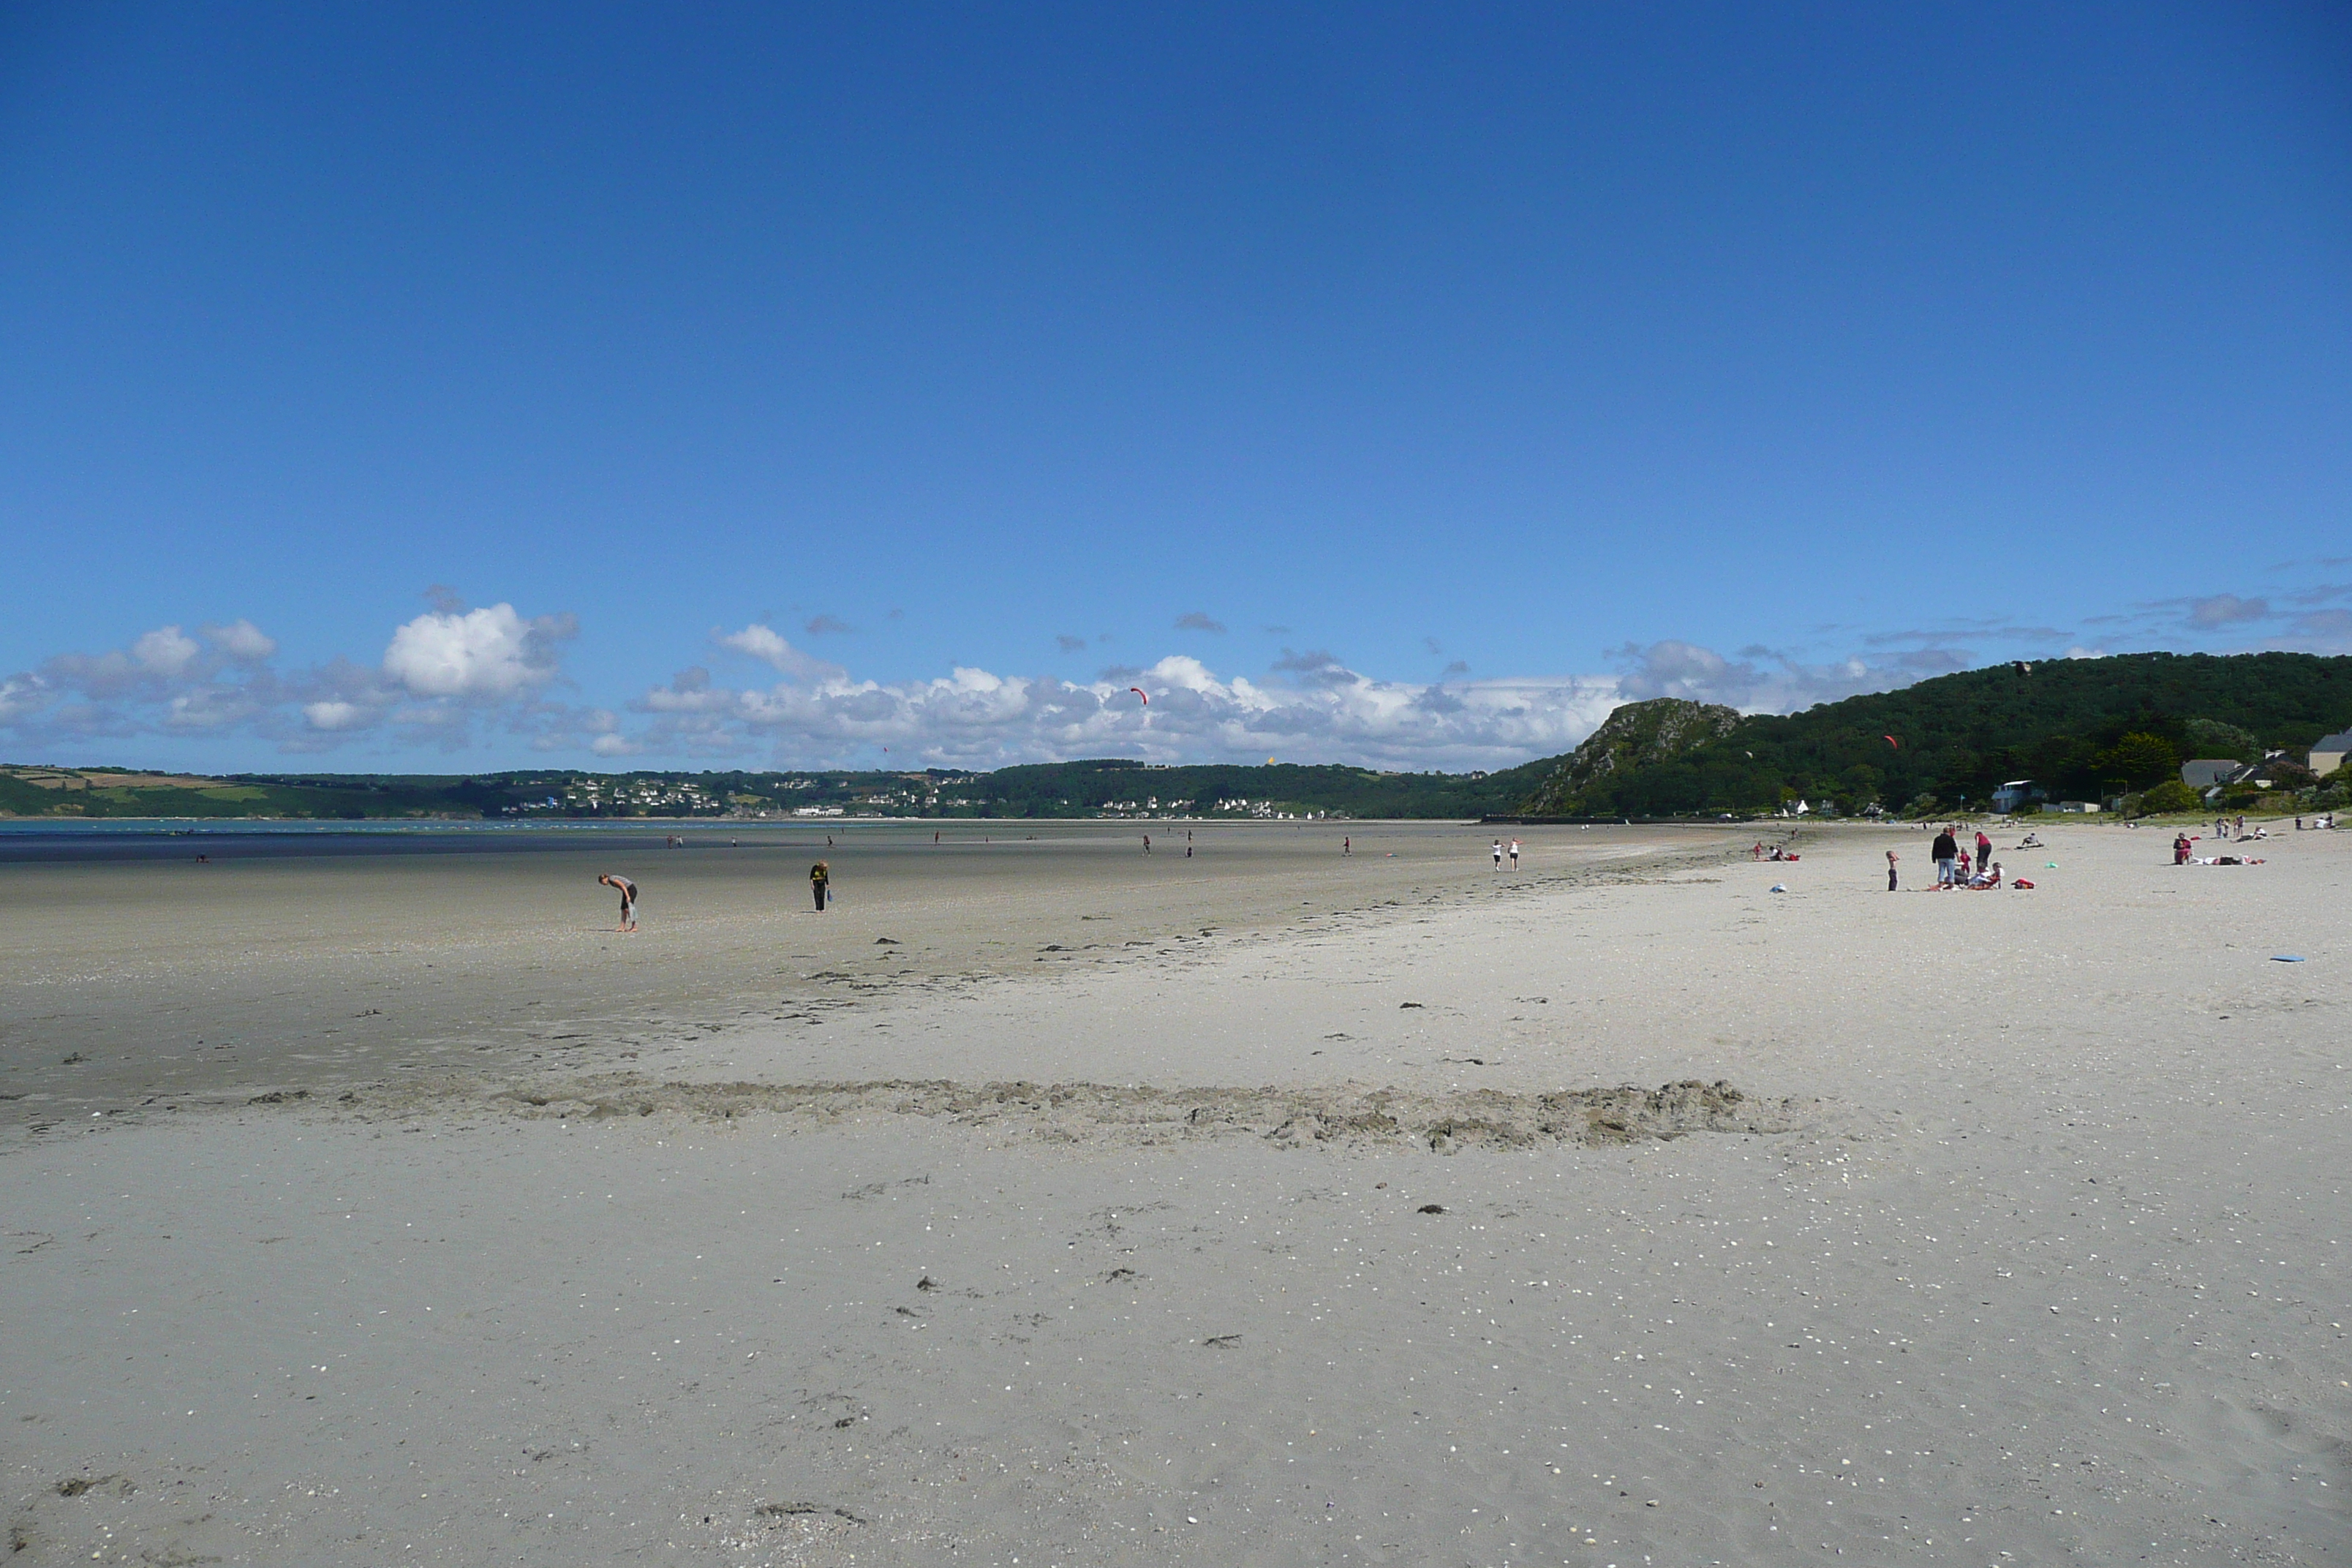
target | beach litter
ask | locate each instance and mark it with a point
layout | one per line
(2285, 958)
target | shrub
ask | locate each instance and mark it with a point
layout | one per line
(2171, 795)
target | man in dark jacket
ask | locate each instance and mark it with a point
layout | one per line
(1945, 854)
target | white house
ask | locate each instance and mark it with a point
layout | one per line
(2016, 793)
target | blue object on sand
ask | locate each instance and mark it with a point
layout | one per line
(2284, 958)
(1780, 886)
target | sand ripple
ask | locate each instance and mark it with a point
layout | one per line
(1341, 1116)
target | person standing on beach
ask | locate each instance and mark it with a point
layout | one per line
(1146, 844)
(1946, 853)
(1890, 870)
(820, 882)
(1984, 849)
(628, 891)
(1347, 847)
(1515, 854)
(1499, 854)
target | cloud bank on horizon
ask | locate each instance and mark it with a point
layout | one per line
(490, 681)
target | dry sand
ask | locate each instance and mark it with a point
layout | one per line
(1995, 1228)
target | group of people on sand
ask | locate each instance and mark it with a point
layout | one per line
(1955, 866)
(820, 883)
(1513, 852)
(2184, 852)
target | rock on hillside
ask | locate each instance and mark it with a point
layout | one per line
(1636, 735)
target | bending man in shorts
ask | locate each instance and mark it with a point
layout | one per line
(628, 891)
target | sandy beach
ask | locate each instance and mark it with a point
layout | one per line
(1045, 1203)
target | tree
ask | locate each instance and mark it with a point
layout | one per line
(2211, 737)
(2138, 760)
(2171, 795)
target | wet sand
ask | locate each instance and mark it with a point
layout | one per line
(297, 961)
(1981, 1227)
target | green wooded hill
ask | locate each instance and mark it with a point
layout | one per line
(2084, 729)
(124, 793)
(1087, 788)
(1078, 789)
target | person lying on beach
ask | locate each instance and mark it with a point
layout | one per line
(628, 891)
(1988, 877)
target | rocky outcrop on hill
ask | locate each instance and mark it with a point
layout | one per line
(1637, 735)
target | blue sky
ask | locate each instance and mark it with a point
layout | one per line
(403, 387)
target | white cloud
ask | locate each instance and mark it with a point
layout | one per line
(974, 718)
(243, 641)
(487, 653)
(147, 670)
(442, 673)
(22, 695)
(2225, 609)
(765, 643)
(611, 746)
(212, 706)
(166, 651)
(333, 716)
(1781, 684)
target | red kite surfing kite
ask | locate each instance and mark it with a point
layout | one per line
(1140, 692)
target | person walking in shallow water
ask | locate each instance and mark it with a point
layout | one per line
(628, 891)
(820, 882)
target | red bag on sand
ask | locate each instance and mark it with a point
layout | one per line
(2020, 882)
